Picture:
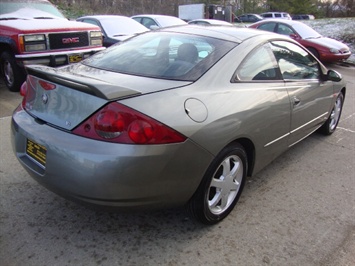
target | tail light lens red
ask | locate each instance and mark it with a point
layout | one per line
(121, 124)
(23, 90)
(29, 88)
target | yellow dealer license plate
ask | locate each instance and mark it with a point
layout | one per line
(37, 152)
(75, 58)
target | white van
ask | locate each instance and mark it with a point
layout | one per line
(281, 15)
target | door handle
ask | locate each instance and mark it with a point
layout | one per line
(296, 101)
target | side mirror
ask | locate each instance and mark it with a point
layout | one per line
(334, 76)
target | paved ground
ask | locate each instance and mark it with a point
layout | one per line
(300, 210)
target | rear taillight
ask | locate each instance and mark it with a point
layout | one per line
(23, 90)
(29, 88)
(28, 92)
(46, 85)
(121, 124)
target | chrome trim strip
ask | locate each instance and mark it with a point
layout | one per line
(304, 137)
(293, 131)
(60, 53)
(272, 142)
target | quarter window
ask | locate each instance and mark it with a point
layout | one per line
(294, 61)
(259, 65)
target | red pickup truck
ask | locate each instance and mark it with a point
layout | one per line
(35, 32)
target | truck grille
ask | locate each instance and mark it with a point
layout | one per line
(68, 40)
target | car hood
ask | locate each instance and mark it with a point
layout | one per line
(101, 83)
(45, 25)
(327, 42)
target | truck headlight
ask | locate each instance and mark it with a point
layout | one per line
(33, 42)
(95, 38)
(34, 38)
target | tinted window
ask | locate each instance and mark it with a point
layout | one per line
(268, 26)
(267, 15)
(284, 30)
(162, 55)
(90, 21)
(260, 64)
(148, 22)
(294, 61)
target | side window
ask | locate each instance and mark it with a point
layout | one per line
(268, 26)
(284, 29)
(138, 19)
(259, 65)
(91, 22)
(148, 22)
(277, 15)
(294, 61)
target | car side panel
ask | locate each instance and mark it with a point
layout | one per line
(311, 101)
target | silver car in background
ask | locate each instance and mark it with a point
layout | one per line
(172, 117)
(153, 21)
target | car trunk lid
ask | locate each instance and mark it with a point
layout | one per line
(64, 99)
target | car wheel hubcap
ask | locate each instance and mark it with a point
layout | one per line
(334, 116)
(9, 75)
(225, 184)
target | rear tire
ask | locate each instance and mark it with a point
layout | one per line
(221, 186)
(332, 122)
(13, 75)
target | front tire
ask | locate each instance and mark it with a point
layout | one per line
(332, 122)
(13, 75)
(221, 186)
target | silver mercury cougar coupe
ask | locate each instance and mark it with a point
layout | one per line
(177, 116)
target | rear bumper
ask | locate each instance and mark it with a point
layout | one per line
(54, 59)
(106, 174)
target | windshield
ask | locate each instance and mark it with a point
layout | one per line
(28, 9)
(121, 26)
(305, 31)
(162, 55)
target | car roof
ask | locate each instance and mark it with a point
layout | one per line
(103, 16)
(289, 22)
(275, 12)
(152, 16)
(214, 21)
(229, 33)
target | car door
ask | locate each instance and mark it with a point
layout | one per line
(261, 79)
(310, 96)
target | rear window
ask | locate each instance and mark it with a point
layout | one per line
(162, 55)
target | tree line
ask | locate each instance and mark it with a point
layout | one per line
(319, 8)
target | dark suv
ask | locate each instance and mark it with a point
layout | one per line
(35, 32)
